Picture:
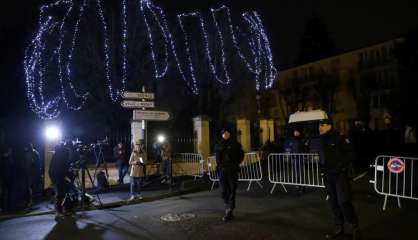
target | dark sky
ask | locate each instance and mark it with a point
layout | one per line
(351, 24)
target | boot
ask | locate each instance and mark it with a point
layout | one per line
(356, 232)
(338, 231)
(228, 215)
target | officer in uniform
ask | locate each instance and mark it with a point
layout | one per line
(229, 155)
(335, 156)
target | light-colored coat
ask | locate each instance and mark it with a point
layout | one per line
(136, 165)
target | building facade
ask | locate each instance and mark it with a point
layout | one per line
(356, 86)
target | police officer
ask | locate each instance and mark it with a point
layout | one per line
(335, 157)
(229, 155)
(295, 144)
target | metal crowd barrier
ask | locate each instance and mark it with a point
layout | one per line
(395, 177)
(212, 173)
(190, 164)
(299, 169)
(250, 170)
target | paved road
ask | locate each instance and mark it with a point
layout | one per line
(259, 215)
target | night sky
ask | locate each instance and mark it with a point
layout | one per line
(351, 25)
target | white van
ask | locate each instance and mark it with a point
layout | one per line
(307, 121)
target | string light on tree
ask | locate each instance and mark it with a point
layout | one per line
(56, 41)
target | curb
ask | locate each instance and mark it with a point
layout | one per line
(202, 187)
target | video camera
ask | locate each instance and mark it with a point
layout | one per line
(83, 148)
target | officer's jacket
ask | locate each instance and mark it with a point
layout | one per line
(229, 154)
(335, 153)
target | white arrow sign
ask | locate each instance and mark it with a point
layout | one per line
(138, 95)
(136, 104)
(151, 115)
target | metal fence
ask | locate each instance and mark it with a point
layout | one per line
(250, 170)
(299, 169)
(212, 173)
(395, 177)
(184, 144)
(188, 164)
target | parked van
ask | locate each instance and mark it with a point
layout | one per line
(307, 121)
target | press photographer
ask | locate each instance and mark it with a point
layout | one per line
(58, 171)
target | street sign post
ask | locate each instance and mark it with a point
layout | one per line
(138, 95)
(150, 115)
(136, 104)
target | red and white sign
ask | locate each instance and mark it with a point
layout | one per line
(396, 165)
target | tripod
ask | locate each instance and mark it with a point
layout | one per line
(80, 184)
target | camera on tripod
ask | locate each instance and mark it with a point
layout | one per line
(84, 149)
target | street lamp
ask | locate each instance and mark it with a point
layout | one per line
(161, 138)
(52, 133)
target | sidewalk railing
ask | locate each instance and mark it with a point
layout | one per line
(395, 177)
(298, 169)
(250, 170)
(188, 164)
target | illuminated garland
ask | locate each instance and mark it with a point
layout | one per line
(259, 61)
(83, 97)
(34, 69)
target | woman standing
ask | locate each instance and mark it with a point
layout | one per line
(137, 163)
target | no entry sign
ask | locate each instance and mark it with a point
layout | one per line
(396, 165)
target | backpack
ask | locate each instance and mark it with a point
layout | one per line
(102, 183)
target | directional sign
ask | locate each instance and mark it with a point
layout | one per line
(151, 115)
(136, 104)
(138, 95)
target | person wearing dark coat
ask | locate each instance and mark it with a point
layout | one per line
(335, 156)
(32, 170)
(296, 144)
(120, 153)
(58, 171)
(229, 155)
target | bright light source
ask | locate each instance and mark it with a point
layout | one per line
(160, 138)
(52, 133)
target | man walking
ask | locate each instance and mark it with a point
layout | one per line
(335, 157)
(229, 155)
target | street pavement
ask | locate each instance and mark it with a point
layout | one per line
(118, 195)
(259, 215)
